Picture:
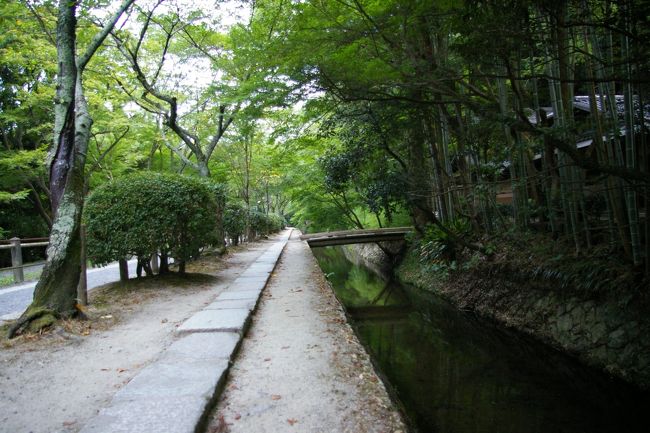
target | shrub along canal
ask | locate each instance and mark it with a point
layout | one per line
(452, 372)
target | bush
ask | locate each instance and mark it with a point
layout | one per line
(148, 212)
(262, 224)
(237, 221)
(218, 191)
(234, 221)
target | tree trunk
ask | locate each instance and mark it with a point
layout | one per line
(82, 287)
(56, 291)
(124, 270)
(55, 294)
(164, 264)
(419, 186)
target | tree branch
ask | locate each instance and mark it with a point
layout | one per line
(99, 38)
(101, 157)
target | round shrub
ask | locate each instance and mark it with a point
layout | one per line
(145, 213)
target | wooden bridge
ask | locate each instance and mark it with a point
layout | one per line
(356, 236)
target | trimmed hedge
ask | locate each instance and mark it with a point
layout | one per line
(263, 224)
(145, 213)
(237, 220)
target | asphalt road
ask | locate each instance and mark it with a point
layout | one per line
(14, 300)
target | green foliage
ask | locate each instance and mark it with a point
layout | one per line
(438, 245)
(7, 197)
(143, 213)
(234, 220)
(263, 224)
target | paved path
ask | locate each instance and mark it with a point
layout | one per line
(301, 368)
(15, 299)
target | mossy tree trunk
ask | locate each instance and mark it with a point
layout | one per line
(56, 291)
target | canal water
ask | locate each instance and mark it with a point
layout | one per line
(454, 373)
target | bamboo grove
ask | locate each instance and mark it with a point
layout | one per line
(509, 115)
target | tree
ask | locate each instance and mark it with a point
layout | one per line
(197, 114)
(56, 291)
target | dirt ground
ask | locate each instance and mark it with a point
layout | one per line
(57, 381)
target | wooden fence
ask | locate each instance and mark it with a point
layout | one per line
(16, 246)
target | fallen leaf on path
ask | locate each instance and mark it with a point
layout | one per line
(292, 421)
(267, 359)
(69, 423)
(106, 369)
(238, 416)
(285, 347)
(122, 370)
(276, 397)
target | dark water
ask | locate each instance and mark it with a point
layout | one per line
(454, 373)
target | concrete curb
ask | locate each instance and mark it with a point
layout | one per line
(175, 393)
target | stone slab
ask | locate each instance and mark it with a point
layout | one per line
(260, 267)
(244, 286)
(254, 276)
(226, 304)
(206, 346)
(253, 273)
(157, 414)
(253, 279)
(250, 295)
(232, 320)
(181, 377)
(239, 295)
(267, 258)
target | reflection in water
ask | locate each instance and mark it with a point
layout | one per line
(454, 373)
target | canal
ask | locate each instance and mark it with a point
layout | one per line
(454, 373)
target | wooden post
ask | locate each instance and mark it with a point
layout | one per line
(154, 262)
(82, 287)
(124, 270)
(17, 260)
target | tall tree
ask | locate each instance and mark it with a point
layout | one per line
(56, 291)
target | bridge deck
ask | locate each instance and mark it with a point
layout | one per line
(356, 236)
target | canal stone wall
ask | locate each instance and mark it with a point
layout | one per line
(609, 332)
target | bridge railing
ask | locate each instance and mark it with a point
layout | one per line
(16, 246)
(343, 237)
